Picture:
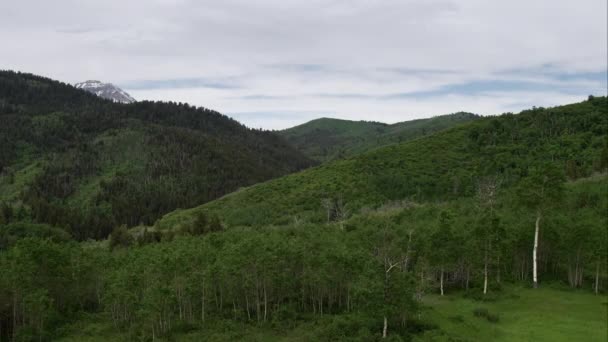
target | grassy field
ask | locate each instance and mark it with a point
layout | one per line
(544, 314)
(525, 314)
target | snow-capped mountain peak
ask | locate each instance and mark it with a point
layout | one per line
(105, 90)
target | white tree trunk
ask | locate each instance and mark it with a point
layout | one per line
(385, 328)
(534, 251)
(441, 281)
(485, 279)
(485, 272)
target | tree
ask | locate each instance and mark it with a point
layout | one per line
(120, 237)
(199, 226)
(442, 245)
(538, 191)
(6, 213)
(487, 195)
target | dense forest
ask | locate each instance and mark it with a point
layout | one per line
(444, 166)
(329, 139)
(355, 280)
(75, 161)
(363, 248)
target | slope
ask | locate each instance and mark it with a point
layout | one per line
(329, 139)
(73, 160)
(443, 166)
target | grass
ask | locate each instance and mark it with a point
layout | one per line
(543, 314)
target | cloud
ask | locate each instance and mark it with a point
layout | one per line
(180, 83)
(376, 60)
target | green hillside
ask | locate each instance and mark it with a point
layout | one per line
(427, 240)
(443, 166)
(75, 161)
(328, 139)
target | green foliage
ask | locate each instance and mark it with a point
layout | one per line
(444, 166)
(11, 233)
(484, 313)
(308, 281)
(120, 237)
(330, 139)
(324, 254)
(544, 185)
(88, 164)
(203, 224)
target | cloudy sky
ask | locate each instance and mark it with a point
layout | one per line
(277, 63)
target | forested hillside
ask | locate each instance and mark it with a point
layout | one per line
(494, 230)
(444, 166)
(86, 165)
(328, 139)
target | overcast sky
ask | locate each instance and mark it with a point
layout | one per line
(278, 63)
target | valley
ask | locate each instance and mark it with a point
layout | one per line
(160, 221)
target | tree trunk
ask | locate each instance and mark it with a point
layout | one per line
(498, 269)
(534, 251)
(348, 299)
(597, 277)
(14, 315)
(407, 252)
(265, 302)
(247, 304)
(577, 270)
(441, 281)
(203, 303)
(485, 273)
(385, 328)
(257, 300)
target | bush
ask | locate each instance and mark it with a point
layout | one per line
(456, 319)
(492, 318)
(483, 312)
(480, 312)
(120, 237)
(477, 295)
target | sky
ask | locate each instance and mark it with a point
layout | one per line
(277, 63)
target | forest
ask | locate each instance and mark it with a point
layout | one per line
(86, 165)
(386, 244)
(330, 139)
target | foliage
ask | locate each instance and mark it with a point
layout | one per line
(484, 313)
(88, 165)
(342, 251)
(329, 139)
(447, 165)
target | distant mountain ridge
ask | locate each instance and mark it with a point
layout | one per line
(106, 91)
(329, 139)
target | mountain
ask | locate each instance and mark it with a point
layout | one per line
(419, 240)
(86, 164)
(328, 139)
(442, 166)
(106, 90)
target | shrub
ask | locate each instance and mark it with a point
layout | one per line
(483, 312)
(492, 318)
(480, 312)
(456, 319)
(120, 237)
(477, 295)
